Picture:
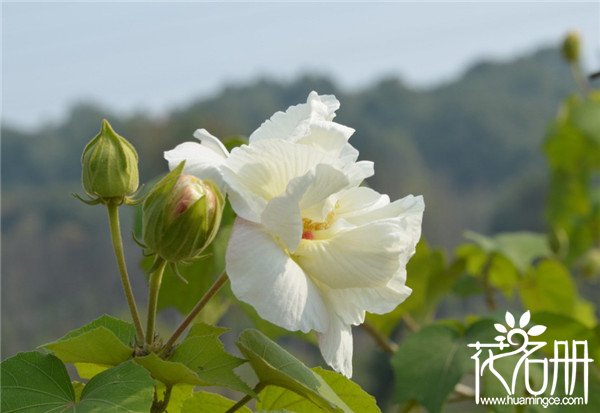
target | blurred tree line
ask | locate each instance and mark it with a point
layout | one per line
(471, 147)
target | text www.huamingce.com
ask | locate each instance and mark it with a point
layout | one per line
(532, 401)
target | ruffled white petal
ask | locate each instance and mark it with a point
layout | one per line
(348, 154)
(264, 276)
(326, 180)
(336, 345)
(289, 125)
(410, 207)
(329, 137)
(211, 142)
(258, 172)
(283, 215)
(351, 303)
(359, 171)
(200, 161)
(365, 256)
(359, 201)
(329, 101)
(407, 212)
(295, 122)
(311, 124)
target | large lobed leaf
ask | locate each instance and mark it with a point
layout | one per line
(550, 287)
(430, 362)
(204, 353)
(106, 341)
(34, 382)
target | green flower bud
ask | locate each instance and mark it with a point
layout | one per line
(571, 47)
(110, 165)
(181, 216)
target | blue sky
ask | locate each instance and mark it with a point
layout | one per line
(157, 56)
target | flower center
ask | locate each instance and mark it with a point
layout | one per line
(309, 227)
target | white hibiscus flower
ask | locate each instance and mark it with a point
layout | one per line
(310, 249)
(309, 123)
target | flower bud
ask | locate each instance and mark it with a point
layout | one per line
(181, 216)
(571, 47)
(110, 165)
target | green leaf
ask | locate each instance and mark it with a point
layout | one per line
(127, 387)
(428, 365)
(77, 388)
(204, 402)
(573, 150)
(521, 248)
(168, 372)
(562, 327)
(500, 261)
(36, 382)
(467, 286)
(278, 398)
(586, 118)
(549, 287)
(106, 341)
(275, 366)
(88, 370)
(204, 353)
(473, 258)
(430, 362)
(492, 387)
(503, 275)
(179, 394)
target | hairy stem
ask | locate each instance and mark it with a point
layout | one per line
(155, 281)
(246, 398)
(117, 241)
(192, 315)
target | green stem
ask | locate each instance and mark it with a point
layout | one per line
(192, 315)
(115, 233)
(161, 406)
(246, 398)
(155, 281)
(384, 344)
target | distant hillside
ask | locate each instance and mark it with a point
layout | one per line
(470, 146)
